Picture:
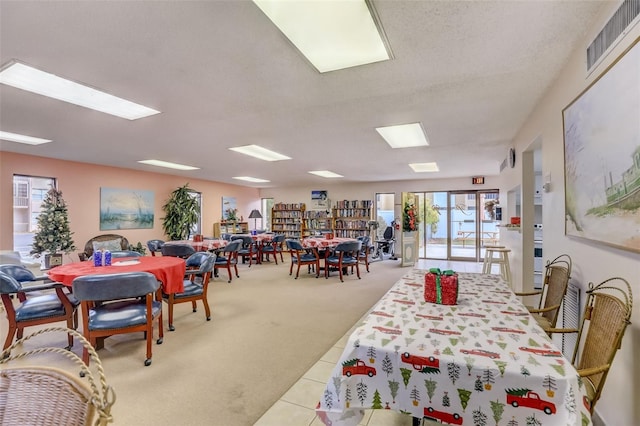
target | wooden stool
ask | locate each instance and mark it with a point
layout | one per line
(486, 269)
(502, 259)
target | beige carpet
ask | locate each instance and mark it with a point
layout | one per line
(267, 330)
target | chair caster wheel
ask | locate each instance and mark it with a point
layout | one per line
(208, 318)
(147, 362)
(159, 341)
(171, 327)
(68, 347)
(195, 310)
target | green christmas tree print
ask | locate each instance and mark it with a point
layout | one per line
(387, 365)
(501, 367)
(431, 386)
(377, 402)
(524, 371)
(464, 396)
(497, 408)
(337, 383)
(469, 361)
(393, 388)
(406, 375)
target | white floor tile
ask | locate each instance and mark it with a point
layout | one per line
(305, 392)
(285, 413)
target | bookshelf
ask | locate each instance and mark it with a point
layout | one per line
(287, 219)
(316, 221)
(351, 218)
(220, 228)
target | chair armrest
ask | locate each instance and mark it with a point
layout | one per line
(533, 293)
(50, 286)
(586, 372)
(547, 309)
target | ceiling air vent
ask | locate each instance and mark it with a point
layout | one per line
(621, 19)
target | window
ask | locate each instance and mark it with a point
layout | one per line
(28, 193)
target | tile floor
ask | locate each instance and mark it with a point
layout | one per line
(297, 406)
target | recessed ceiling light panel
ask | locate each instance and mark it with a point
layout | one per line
(332, 35)
(325, 174)
(424, 167)
(27, 78)
(167, 164)
(260, 152)
(15, 137)
(404, 135)
(251, 179)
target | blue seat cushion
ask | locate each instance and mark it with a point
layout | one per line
(39, 307)
(347, 260)
(190, 289)
(305, 258)
(121, 314)
(221, 259)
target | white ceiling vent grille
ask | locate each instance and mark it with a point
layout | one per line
(621, 19)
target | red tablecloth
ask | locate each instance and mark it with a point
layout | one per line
(203, 245)
(169, 270)
(324, 242)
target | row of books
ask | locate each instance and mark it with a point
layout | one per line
(289, 206)
(354, 204)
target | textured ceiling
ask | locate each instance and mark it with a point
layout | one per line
(223, 76)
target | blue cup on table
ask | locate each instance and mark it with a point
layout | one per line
(254, 232)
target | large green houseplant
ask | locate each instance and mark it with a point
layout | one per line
(181, 213)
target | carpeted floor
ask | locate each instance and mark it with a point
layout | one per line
(267, 330)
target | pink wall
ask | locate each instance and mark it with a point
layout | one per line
(80, 185)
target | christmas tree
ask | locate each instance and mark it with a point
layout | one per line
(53, 234)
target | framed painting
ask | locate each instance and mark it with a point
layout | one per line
(126, 209)
(319, 199)
(229, 209)
(602, 156)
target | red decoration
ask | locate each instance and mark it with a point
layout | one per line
(441, 287)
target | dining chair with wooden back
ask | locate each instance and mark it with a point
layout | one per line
(196, 282)
(248, 249)
(273, 246)
(155, 246)
(363, 254)
(119, 303)
(342, 256)
(303, 256)
(607, 314)
(177, 250)
(41, 303)
(554, 288)
(228, 258)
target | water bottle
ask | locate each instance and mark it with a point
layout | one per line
(97, 258)
(107, 258)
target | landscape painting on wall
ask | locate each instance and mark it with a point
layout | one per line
(602, 157)
(125, 209)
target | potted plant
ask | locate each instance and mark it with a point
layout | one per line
(490, 208)
(54, 235)
(181, 213)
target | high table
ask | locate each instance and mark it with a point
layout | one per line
(483, 361)
(169, 270)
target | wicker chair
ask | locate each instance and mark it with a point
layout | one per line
(554, 288)
(46, 395)
(606, 316)
(88, 247)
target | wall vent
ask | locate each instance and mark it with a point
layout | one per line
(570, 318)
(621, 19)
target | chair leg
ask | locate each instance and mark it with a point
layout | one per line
(10, 335)
(206, 307)
(291, 267)
(298, 271)
(171, 327)
(236, 269)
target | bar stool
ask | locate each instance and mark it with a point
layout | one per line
(486, 269)
(501, 259)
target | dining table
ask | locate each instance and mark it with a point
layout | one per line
(167, 269)
(481, 361)
(323, 243)
(203, 245)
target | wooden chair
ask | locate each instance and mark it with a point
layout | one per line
(177, 250)
(363, 254)
(606, 316)
(117, 304)
(155, 246)
(343, 255)
(228, 258)
(110, 241)
(196, 283)
(37, 309)
(248, 250)
(273, 247)
(554, 288)
(68, 394)
(303, 256)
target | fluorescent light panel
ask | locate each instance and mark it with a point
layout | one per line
(404, 135)
(43, 83)
(424, 167)
(260, 152)
(167, 164)
(325, 174)
(15, 137)
(251, 179)
(332, 35)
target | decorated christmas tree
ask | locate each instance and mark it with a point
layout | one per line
(53, 234)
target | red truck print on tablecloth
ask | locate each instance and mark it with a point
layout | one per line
(508, 330)
(356, 366)
(444, 332)
(387, 330)
(481, 352)
(444, 417)
(423, 364)
(541, 351)
(527, 398)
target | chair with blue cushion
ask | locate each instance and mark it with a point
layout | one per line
(177, 250)
(273, 247)
(303, 256)
(155, 246)
(343, 255)
(124, 253)
(248, 249)
(228, 258)
(117, 304)
(17, 281)
(199, 269)
(363, 254)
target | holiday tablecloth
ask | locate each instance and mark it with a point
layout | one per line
(484, 361)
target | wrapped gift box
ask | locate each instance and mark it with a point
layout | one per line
(441, 287)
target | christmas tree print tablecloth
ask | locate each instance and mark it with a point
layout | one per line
(484, 361)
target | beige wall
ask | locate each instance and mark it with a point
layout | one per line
(592, 262)
(80, 185)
